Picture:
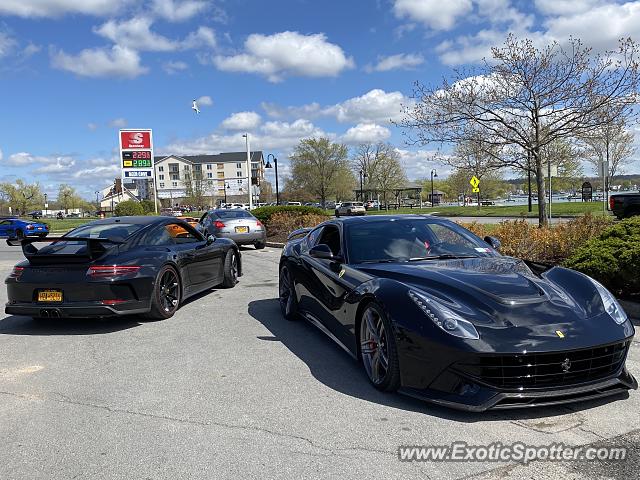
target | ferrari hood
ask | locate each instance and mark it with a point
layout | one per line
(491, 290)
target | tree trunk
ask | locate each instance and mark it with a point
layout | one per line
(543, 221)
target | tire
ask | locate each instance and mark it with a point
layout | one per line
(230, 269)
(337, 214)
(19, 234)
(166, 295)
(260, 245)
(287, 295)
(378, 350)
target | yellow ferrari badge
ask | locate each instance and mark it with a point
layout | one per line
(341, 273)
(559, 333)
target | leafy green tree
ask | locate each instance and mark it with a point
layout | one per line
(22, 196)
(147, 207)
(316, 164)
(129, 208)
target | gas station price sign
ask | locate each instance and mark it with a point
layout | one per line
(136, 153)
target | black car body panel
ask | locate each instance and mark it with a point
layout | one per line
(625, 204)
(64, 266)
(527, 316)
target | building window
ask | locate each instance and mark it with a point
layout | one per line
(239, 182)
(209, 175)
(175, 176)
(209, 166)
(174, 167)
(220, 166)
(238, 165)
(238, 174)
(220, 174)
(161, 184)
(161, 168)
(174, 184)
(161, 177)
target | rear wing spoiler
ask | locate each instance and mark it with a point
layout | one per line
(299, 233)
(95, 248)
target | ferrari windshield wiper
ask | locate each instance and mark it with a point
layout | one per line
(381, 260)
(444, 256)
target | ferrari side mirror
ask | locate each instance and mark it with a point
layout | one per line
(210, 239)
(493, 242)
(321, 251)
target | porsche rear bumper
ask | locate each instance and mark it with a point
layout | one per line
(76, 310)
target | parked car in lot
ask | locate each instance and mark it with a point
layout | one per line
(350, 208)
(436, 312)
(294, 204)
(18, 228)
(625, 205)
(238, 225)
(35, 214)
(119, 266)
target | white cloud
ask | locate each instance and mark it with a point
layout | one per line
(19, 159)
(92, 126)
(100, 62)
(241, 121)
(56, 165)
(564, 7)
(401, 61)
(55, 8)
(419, 163)
(7, 44)
(374, 106)
(274, 110)
(30, 50)
(98, 172)
(136, 34)
(118, 123)
(435, 14)
(204, 101)
(1, 155)
(599, 27)
(287, 54)
(172, 67)
(272, 136)
(203, 37)
(48, 164)
(366, 132)
(178, 10)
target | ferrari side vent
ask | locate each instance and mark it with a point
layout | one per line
(544, 370)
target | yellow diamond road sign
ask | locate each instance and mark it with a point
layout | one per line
(474, 182)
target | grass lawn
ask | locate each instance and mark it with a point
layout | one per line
(564, 209)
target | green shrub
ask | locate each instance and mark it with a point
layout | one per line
(128, 208)
(147, 207)
(612, 258)
(264, 214)
(281, 224)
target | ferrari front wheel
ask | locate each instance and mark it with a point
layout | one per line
(287, 295)
(378, 350)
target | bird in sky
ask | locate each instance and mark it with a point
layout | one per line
(194, 107)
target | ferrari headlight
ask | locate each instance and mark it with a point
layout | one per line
(611, 305)
(443, 317)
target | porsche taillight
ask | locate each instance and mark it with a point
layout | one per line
(106, 271)
(612, 202)
(16, 272)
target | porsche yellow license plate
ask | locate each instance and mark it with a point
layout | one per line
(49, 296)
(242, 229)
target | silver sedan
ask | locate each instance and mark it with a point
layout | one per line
(236, 224)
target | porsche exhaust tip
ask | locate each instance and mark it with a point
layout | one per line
(44, 313)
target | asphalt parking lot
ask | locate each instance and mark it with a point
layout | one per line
(229, 389)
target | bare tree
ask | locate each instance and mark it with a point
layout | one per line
(528, 97)
(196, 186)
(315, 165)
(390, 174)
(611, 142)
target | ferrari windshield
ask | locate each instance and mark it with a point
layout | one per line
(411, 240)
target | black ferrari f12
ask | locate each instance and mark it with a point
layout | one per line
(435, 312)
(119, 266)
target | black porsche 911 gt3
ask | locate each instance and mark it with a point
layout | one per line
(119, 266)
(434, 311)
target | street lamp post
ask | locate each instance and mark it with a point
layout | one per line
(275, 164)
(434, 174)
(97, 200)
(226, 187)
(246, 136)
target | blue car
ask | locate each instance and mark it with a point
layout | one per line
(17, 228)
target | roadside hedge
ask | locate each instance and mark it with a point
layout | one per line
(264, 214)
(613, 258)
(554, 244)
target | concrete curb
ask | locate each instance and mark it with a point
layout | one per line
(275, 244)
(632, 308)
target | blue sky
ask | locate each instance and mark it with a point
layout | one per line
(74, 71)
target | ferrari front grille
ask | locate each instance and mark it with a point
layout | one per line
(544, 370)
